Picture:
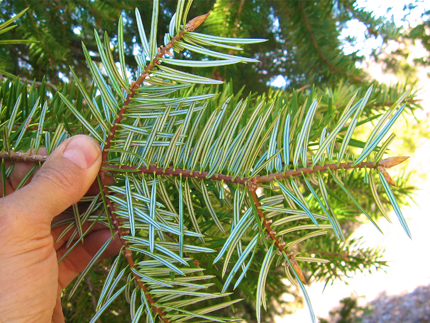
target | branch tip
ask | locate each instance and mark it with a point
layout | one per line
(195, 22)
(393, 161)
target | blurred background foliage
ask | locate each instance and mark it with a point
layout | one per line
(304, 50)
(303, 44)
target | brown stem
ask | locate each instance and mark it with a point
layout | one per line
(22, 157)
(320, 52)
(190, 26)
(301, 89)
(310, 170)
(251, 181)
(176, 172)
(236, 24)
(272, 234)
(385, 163)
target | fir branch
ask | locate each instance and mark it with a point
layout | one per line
(385, 163)
(250, 181)
(323, 168)
(280, 245)
(320, 52)
(236, 23)
(22, 157)
(190, 26)
(208, 152)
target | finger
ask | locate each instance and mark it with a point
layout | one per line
(62, 181)
(81, 255)
(57, 315)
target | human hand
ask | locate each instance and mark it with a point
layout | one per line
(31, 280)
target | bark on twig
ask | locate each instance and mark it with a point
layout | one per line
(190, 26)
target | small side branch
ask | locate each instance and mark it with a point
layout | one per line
(22, 157)
(190, 26)
(318, 48)
(236, 23)
(272, 234)
(128, 255)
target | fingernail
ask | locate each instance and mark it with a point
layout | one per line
(82, 150)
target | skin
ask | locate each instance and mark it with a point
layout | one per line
(31, 280)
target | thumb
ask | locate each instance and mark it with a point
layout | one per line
(62, 181)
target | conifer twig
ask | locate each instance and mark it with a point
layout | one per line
(230, 178)
(320, 52)
(384, 163)
(22, 157)
(190, 26)
(251, 183)
(272, 234)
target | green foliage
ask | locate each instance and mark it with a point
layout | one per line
(421, 33)
(303, 37)
(219, 195)
(5, 27)
(349, 312)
